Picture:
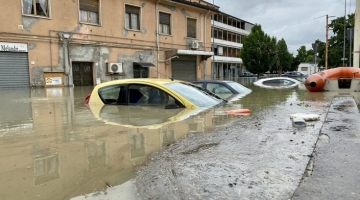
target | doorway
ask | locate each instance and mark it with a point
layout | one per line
(82, 73)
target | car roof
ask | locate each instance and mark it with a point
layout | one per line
(277, 78)
(139, 80)
(212, 81)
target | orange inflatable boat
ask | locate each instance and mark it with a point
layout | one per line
(316, 82)
(239, 112)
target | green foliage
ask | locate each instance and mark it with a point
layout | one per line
(262, 53)
(336, 42)
(285, 57)
(255, 53)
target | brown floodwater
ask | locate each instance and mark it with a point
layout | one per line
(54, 147)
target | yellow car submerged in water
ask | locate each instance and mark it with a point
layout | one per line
(166, 93)
(148, 102)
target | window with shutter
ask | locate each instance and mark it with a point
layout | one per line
(164, 23)
(132, 17)
(36, 7)
(191, 28)
(89, 11)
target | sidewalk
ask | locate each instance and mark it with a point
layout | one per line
(336, 161)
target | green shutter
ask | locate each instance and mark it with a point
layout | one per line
(191, 28)
(89, 5)
(164, 18)
(132, 9)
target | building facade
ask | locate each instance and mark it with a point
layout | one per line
(85, 42)
(227, 35)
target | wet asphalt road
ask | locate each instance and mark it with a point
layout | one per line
(260, 156)
(335, 171)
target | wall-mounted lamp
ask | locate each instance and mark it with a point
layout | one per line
(66, 35)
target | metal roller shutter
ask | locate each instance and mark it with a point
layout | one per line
(14, 70)
(184, 68)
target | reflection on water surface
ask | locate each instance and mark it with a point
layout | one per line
(53, 147)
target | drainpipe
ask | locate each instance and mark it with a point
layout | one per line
(50, 43)
(204, 61)
(157, 36)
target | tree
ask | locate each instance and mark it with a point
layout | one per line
(300, 57)
(255, 51)
(285, 58)
(320, 57)
(302, 54)
(336, 42)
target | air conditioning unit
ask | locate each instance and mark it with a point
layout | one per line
(115, 68)
(195, 44)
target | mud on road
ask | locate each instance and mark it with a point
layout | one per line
(260, 156)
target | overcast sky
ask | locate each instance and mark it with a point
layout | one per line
(299, 22)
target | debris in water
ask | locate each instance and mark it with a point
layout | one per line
(298, 122)
(306, 117)
(173, 173)
(108, 184)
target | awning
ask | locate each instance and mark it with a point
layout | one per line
(204, 54)
(143, 64)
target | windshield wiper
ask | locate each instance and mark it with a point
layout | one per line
(207, 92)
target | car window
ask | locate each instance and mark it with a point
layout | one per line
(239, 88)
(286, 82)
(139, 94)
(111, 94)
(278, 82)
(217, 88)
(199, 97)
(198, 84)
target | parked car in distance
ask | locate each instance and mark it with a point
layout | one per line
(277, 83)
(294, 74)
(248, 74)
(166, 93)
(224, 88)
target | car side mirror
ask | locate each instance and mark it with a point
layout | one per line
(172, 106)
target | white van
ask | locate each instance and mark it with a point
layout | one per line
(308, 68)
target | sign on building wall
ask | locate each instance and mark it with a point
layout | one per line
(53, 80)
(13, 47)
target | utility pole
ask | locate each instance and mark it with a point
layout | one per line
(326, 42)
(344, 36)
(350, 36)
(356, 46)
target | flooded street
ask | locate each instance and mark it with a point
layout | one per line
(54, 147)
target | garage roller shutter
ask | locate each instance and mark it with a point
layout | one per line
(184, 68)
(14, 70)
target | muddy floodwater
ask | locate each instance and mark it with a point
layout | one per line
(54, 147)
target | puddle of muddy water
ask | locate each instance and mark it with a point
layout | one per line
(54, 147)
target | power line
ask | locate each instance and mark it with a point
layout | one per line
(298, 23)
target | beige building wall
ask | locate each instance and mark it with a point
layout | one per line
(55, 42)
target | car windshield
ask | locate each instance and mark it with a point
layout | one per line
(239, 88)
(196, 95)
(279, 82)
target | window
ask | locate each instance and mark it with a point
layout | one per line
(216, 33)
(218, 88)
(112, 94)
(89, 11)
(191, 28)
(132, 17)
(164, 23)
(225, 35)
(148, 95)
(36, 7)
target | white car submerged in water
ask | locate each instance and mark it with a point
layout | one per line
(277, 83)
